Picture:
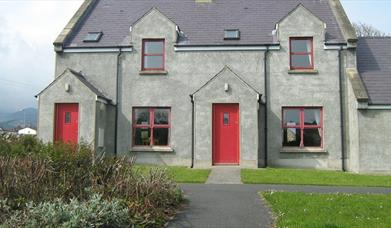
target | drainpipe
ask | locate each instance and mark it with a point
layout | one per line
(117, 103)
(342, 113)
(266, 95)
(192, 130)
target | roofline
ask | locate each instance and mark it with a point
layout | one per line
(97, 49)
(78, 76)
(152, 9)
(358, 86)
(219, 45)
(72, 24)
(218, 74)
(294, 9)
(347, 30)
(180, 48)
(379, 106)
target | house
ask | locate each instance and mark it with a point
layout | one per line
(27, 131)
(218, 82)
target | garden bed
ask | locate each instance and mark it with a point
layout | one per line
(46, 185)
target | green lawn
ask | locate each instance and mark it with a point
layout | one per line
(312, 177)
(182, 174)
(330, 210)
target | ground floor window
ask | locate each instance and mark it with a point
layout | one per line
(151, 126)
(302, 126)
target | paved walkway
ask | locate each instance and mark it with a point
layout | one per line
(224, 175)
(235, 205)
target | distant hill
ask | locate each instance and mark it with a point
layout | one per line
(17, 120)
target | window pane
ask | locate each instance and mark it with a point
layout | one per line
(142, 137)
(162, 116)
(67, 117)
(291, 117)
(303, 61)
(226, 118)
(301, 45)
(153, 62)
(141, 116)
(160, 136)
(153, 47)
(312, 137)
(231, 34)
(292, 137)
(312, 117)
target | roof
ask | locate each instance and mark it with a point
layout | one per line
(220, 73)
(202, 23)
(374, 66)
(82, 79)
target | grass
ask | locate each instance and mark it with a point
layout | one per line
(312, 177)
(181, 174)
(330, 210)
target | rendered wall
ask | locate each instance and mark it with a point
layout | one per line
(317, 89)
(78, 93)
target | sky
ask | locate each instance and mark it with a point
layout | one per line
(29, 27)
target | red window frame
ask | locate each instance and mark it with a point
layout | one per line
(159, 54)
(311, 53)
(302, 125)
(151, 125)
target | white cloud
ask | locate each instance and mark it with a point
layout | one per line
(27, 31)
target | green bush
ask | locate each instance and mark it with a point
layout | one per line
(95, 212)
(35, 173)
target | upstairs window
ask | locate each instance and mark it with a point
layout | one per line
(153, 54)
(301, 53)
(231, 34)
(302, 127)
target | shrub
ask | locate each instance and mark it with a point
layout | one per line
(94, 212)
(58, 171)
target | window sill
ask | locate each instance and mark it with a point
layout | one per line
(153, 72)
(163, 149)
(302, 150)
(303, 72)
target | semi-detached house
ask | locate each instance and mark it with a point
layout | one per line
(252, 83)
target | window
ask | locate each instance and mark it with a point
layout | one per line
(301, 53)
(302, 127)
(231, 34)
(153, 54)
(226, 118)
(93, 37)
(67, 117)
(151, 126)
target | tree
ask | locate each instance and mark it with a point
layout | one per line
(366, 30)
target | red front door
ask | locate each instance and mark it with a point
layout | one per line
(225, 134)
(66, 125)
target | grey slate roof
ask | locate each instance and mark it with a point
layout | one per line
(202, 23)
(79, 76)
(374, 66)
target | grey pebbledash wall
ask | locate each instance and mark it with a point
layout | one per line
(188, 71)
(295, 89)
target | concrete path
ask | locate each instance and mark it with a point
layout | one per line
(211, 205)
(224, 175)
(222, 205)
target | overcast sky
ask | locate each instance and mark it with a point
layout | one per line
(29, 27)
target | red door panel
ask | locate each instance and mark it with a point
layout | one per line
(66, 123)
(225, 134)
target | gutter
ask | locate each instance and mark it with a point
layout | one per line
(266, 95)
(97, 49)
(342, 112)
(117, 103)
(192, 130)
(187, 48)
